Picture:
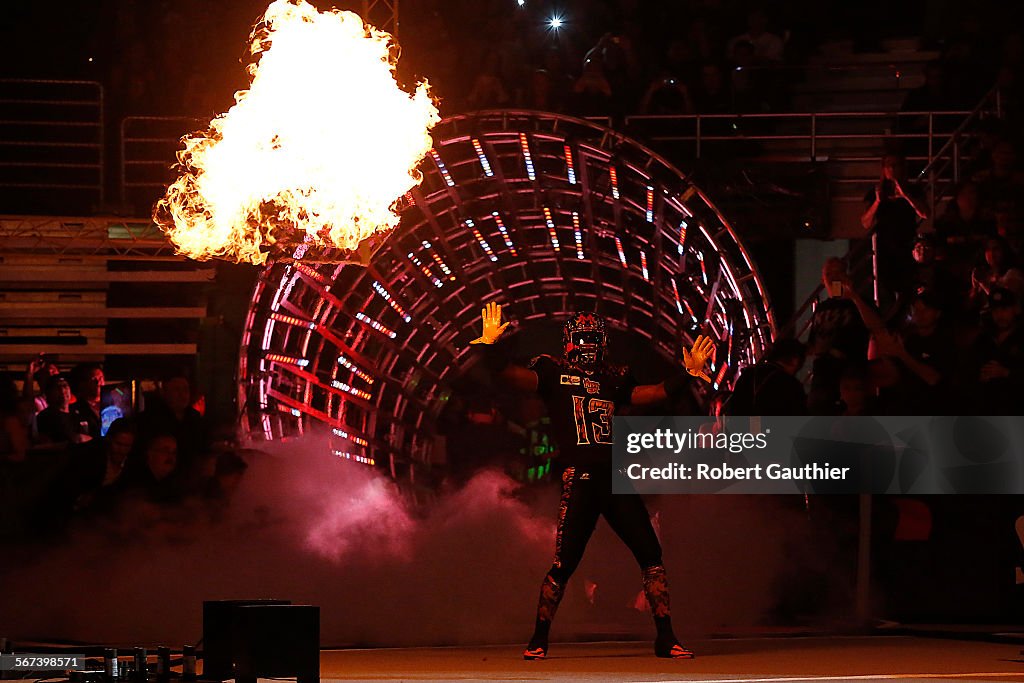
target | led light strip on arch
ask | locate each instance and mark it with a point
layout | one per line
(484, 163)
(675, 291)
(314, 274)
(442, 168)
(360, 373)
(379, 288)
(622, 253)
(348, 388)
(551, 228)
(426, 271)
(524, 144)
(438, 260)
(353, 456)
(578, 233)
(290, 360)
(292, 320)
(504, 233)
(480, 240)
(358, 440)
(362, 317)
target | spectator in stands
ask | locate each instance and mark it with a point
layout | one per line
(488, 91)
(701, 41)
(998, 357)
(711, 95)
(999, 270)
(768, 47)
(931, 274)
(540, 94)
(745, 80)
(961, 223)
(1010, 227)
(87, 386)
(57, 424)
(667, 94)
(14, 433)
(171, 412)
(620, 65)
(555, 64)
(961, 233)
(989, 132)
(96, 468)
(680, 60)
(157, 475)
(892, 211)
(39, 370)
(1002, 182)
(922, 357)
(550, 85)
(856, 392)
(838, 338)
(591, 93)
(770, 387)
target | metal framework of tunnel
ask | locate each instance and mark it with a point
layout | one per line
(544, 212)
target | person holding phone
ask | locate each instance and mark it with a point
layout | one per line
(838, 339)
(893, 209)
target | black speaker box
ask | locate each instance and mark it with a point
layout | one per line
(218, 624)
(276, 641)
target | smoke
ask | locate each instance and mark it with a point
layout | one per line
(465, 568)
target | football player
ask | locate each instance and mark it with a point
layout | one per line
(582, 390)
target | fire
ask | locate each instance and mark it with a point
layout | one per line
(318, 149)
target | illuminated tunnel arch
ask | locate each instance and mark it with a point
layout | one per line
(548, 213)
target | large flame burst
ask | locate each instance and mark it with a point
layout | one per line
(318, 149)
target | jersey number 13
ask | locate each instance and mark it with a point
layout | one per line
(594, 421)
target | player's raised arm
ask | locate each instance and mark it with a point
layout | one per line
(694, 361)
(515, 376)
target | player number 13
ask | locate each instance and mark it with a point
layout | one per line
(601, 427)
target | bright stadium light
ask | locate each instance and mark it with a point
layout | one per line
(555, 22)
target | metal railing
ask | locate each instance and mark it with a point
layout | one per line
(148, 148)
(52, 136)
(943, 171)
(148, 143)
(922, 132)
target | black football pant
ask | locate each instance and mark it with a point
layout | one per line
(586, 495)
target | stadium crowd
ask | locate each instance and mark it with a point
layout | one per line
(64, 456)
(939, 333)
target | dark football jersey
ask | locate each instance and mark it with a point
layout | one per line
(581, 407)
